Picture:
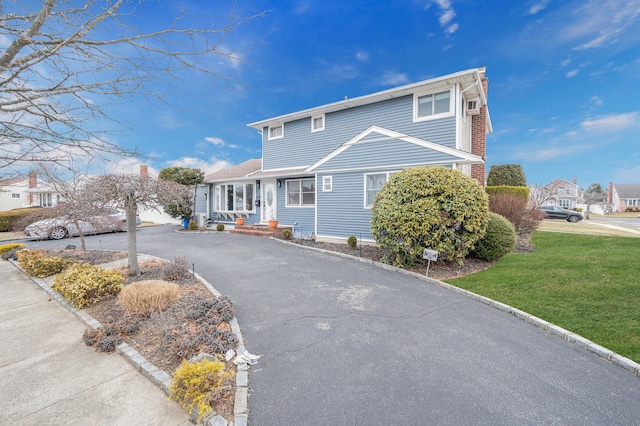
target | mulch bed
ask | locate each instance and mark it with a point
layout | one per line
(437, 270)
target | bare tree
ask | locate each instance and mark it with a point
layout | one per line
(539, 194)
(129, 192)
(63, 62)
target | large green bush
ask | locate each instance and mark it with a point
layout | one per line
(506, 175)
(519, 191)
(434, 208)
(499, 239)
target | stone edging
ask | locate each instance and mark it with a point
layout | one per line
(157, 376)
(602, 352)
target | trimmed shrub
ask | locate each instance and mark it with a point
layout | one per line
(506, 175)
(143, 298)
(193, 225)
(520, 191)
(177, 269)
(499, 239)
(220, 227)
(84, 284)
(286, 234)
(352, 241)
(196, 385)
(9, 218)
(8, 247)
(436, 208)
(35, 263)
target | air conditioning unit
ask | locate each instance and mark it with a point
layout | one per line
(473, 107)
(201, 218)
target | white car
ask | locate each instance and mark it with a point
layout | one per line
(58, 228)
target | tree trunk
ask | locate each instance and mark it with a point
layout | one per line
(130, 210)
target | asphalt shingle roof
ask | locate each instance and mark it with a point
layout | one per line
(239, 171)
(628, 190)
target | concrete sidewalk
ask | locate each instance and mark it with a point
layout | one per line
(48, 376)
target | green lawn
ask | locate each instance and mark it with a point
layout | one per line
(587, 284)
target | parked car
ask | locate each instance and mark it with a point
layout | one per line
(61, 227)
(556, 212)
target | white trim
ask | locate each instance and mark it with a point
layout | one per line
(313, 118)
(387, 173)
(391, 166)
(330, 182)
(390, 134)
(450, 113)
(301, 205)
(275, 126)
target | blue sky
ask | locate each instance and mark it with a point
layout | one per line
(564, 78)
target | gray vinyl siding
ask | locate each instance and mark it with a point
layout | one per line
(341, 212)
(302, 218)
(392, 153)
(300, 147)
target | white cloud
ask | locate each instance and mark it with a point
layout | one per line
(452, 29)
(538, 6)
(572, 73)
(394, 78)
(362, 55)
(446, 15)
(215, 141)
(344, 71)
(612, 122)
(211, 165)
(596, 100)
(565, 63)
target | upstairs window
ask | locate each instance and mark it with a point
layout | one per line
(317, 123)
(276, 132)
(433, 105)
(14, 195)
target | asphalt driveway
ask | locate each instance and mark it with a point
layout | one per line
(347, 343)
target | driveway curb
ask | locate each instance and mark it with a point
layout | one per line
(157, 376)
(573, 338)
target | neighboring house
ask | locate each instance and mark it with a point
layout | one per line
(26, 192)
(624, 197)
(321, 167)
(560, 192)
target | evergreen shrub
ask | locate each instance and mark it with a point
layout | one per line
(499, 239)
(436, 208)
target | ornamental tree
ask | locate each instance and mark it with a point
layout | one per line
(428, 207)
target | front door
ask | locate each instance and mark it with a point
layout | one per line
(268, 200)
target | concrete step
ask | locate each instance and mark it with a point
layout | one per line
(258, 230)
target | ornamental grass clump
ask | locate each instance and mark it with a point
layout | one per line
(36, 264)
(196, 385)
(85, 284)
(143, 298)
(428, 207)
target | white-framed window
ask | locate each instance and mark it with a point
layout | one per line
(301, 193)
(14, 195)
(45, 200)
(373, 183)
(235, 197)
(327, 183)
(317, 123)
(276, 132)
(565, 203)
(631, 202)
(432, 105)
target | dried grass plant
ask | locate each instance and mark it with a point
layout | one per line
(143, 298)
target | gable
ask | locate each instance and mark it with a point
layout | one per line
(379, 147)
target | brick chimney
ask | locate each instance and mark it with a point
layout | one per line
(575, 180)
(33, 183)
(610, 192)
(479, 135)
(144, 171)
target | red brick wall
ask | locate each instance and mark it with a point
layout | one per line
(479, 137)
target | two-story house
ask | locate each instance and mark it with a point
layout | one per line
(322, 167)
(560, 193)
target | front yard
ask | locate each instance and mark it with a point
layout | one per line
(587, 284)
